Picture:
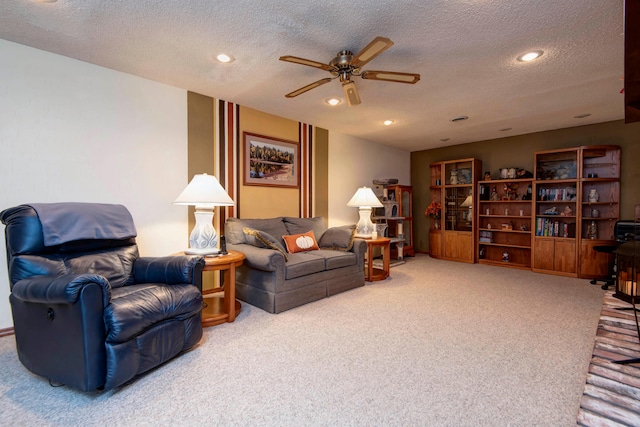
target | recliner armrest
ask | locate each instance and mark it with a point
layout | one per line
(59, 289)
(170, 270)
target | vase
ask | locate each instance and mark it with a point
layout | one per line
(436, 223)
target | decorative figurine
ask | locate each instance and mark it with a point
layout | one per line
(593, 195)
(567, 211)
(505, 256)
(487, 176)
(592, 230)
(494, 194)
(510, 190)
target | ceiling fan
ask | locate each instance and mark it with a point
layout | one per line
(346, 65)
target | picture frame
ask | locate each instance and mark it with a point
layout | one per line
(270, 162)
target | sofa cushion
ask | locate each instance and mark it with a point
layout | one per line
(302, 225)
(235, 235)
(302, 264)
(301, 242)
(261, 239)
(335, 259)
(338, 238)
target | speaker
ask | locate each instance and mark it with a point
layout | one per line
(223, 246)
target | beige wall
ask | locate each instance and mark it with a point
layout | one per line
(266, 202)
(518, 151)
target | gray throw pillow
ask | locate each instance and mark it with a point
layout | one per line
(302, 225)
(338, 238)
(260, 239)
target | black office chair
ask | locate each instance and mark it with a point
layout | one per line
(88, 312)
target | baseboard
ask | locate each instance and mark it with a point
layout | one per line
(6, 332)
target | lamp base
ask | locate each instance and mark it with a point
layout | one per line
(203, 252)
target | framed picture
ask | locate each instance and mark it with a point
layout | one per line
(270, 161)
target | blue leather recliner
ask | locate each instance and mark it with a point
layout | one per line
(88, 312)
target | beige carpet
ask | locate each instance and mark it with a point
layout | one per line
(437, 344)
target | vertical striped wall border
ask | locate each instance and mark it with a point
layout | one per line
(227, 163)
(305, 136)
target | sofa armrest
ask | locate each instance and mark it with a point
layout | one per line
(359, 246)
(63, 289)
(264, 259)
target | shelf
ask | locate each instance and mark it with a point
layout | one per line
(508, 216)
(556, 216)
(504, 264)
(600, 218)
(505, 201)
(557, 201)
(555, 238)
(505, 231)
(503, 245)
(600, 179)
(556, 181)
(458, 185)
(502, 181)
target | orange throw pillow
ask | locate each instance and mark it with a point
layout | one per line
(301, 242)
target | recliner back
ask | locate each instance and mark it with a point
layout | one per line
(28, 256)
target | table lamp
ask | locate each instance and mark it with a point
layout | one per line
(204, 192)
(365, 200)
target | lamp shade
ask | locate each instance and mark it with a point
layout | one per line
(468, 202)
(364, 197)
(204, 190)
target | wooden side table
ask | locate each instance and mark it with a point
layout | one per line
(373, 274)
(217, 309)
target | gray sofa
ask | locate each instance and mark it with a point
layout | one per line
(276, 280)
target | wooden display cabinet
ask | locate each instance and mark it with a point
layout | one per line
(600, 173)
(570, 220)
(556, 212)
(453, 185)
(504, 222)
(401, 227)
(435, 224)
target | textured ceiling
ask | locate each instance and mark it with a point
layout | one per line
(465, 51)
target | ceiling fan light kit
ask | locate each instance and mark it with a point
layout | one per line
(345, 66)
(351, 93)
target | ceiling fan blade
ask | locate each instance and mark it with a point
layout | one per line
(308, 62)
(373, 49)
(391, 76)
(308, 87)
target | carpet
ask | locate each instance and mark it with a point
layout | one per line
(439, 343)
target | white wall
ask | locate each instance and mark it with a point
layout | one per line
(72, 131)
(354, 163)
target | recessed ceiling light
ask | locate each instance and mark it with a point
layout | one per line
(505, 129)
(224, 58)
(388, 122)
(530, 56)
(444, 139)
(581, 116)
(460, 118)
(333, 101)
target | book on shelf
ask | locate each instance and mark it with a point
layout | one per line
(547, 227)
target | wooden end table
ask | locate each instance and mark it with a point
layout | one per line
(216, 309)
(374, 274)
